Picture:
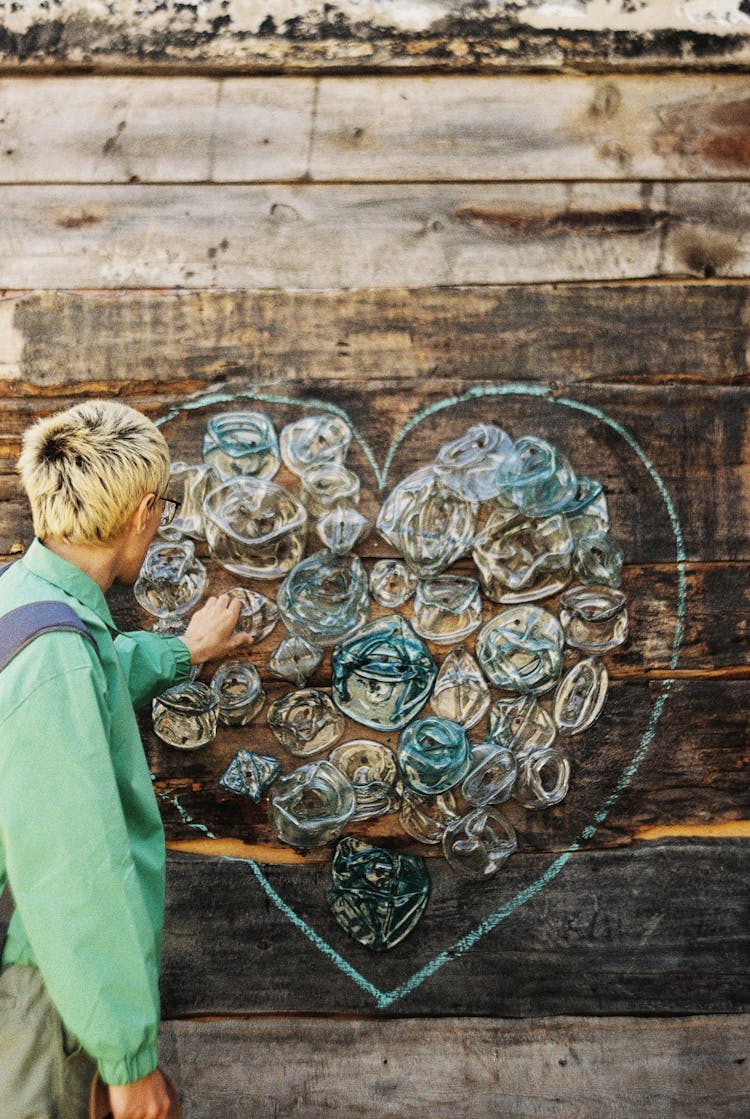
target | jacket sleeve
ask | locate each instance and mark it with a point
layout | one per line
(151, 663)
(70, 868)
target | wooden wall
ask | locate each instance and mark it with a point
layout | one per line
(541, 216)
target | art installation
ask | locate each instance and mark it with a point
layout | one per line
(516, 635)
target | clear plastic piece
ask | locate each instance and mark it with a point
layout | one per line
(521, 649)
(341, 528)
(427, 522)
(185, 716)
(426, 818)
(543, 778)
(325, 598)
(250, 775)
(474, 463)
(433, 755)
(392, 583)
(478, 844)
(521, 560)
(384, 675)
(587, 511)
(326, 485)
(241, 696)
(597, 559)
(377, 896)
(520, 724)
(255, 528)
(461, 692)
(492, 775)
(305, 721)
(314, 440)
(312, 805)
(447, 608)
(540, 478)
(295, 659)
(371, 768)
(193, 481)
(238, 443)
(258, 615)
(172, 580)
(580, 696)
(594, 618)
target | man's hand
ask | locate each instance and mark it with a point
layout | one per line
(143, 1099)
(210, 635)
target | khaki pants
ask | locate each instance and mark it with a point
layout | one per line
(44, 1074)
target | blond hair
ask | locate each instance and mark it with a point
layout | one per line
(86, 469)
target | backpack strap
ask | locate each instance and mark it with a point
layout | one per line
(21, 626)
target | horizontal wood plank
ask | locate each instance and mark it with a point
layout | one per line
(194, 130)
(372, 35)
(694, 436)
(451, 1068)
(59, 343)
(693, 774)
(314, 237)
(658, 929)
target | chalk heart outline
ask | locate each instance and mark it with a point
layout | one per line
(382, 998)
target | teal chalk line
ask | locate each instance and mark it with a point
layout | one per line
(384, 999)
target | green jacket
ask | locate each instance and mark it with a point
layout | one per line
(81, 840)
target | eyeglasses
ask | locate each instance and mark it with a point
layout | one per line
(169, 508)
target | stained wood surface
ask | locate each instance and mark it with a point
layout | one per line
(63, 343)
(657, 929)
(419, 128)
(695, 436)
(617, 1068)
(343, 236)
(372, 35)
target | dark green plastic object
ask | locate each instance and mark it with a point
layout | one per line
(376, 895)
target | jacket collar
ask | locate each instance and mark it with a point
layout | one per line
(68, 578)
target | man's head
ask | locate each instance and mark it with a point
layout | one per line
(86, 470)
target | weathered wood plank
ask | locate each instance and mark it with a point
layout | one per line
(74, 342)
(322, 237)
(312, 237)
(695, 436)
(615, 1068)
(541, 127)
(658, 929)
(372, 36)
(188, 130)
(715, 640)
(694, 773)
(169, 130)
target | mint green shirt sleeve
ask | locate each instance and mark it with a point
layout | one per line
(151, 663)
(73, 860)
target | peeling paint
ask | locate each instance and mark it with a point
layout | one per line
(452, 34)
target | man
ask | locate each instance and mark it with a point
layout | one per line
(81, 842)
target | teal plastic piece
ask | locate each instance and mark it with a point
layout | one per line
(376, 895)
(249, 775)
(434, 755)
(384, 675)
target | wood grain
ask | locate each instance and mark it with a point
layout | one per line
(453, 1068)
(694, 773)
(313, 237)
(64, 343)
(658, 929)
(419, 128)
(694, 435)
